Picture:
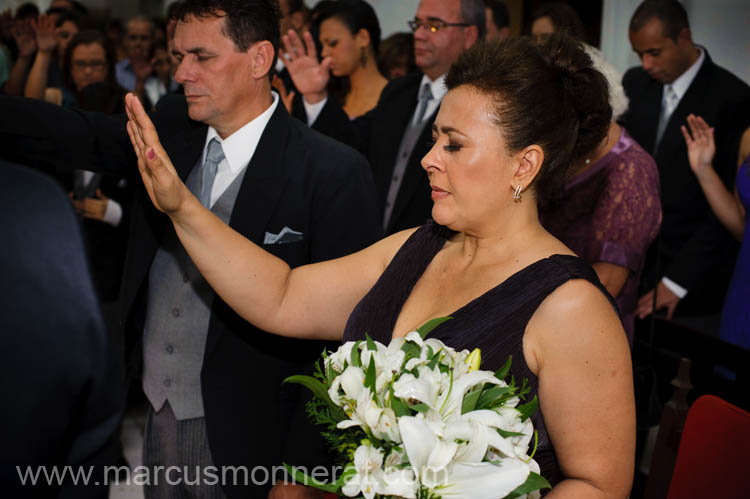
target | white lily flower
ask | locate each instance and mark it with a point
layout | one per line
(450, 401)
(368, 478)
(432, 460)
(341, 356)
(400, 483)
(484, 480)
(351, 381)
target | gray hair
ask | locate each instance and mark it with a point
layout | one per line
(473, 13)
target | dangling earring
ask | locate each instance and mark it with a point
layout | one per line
(517, 194)
(363, 57)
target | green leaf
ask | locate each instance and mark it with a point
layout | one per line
(370, 344)
(528, 410)
(370, 376)
(303, 478)
(398, 405)
(428, 326)
(503, 371)
(349, 470)
(533, 482)
(508, 434)
(410, 350)
(320, 391)
(488, 398)
(470, 400)
(356, 362)
(420, 407)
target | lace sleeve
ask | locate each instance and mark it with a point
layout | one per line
(627, 215)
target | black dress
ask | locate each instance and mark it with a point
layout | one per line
(494, 322)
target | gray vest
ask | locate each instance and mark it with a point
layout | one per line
(177, 317)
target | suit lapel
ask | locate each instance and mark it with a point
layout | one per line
(386, 146)
(415, 181)
(691, 102)
(259, 194)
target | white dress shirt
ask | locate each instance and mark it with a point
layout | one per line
(238, 149)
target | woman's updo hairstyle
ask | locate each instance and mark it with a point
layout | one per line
(546, 92)
(355, 15)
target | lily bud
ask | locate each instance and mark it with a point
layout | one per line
(474, 360)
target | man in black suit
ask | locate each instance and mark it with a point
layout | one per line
(61, 377)
(395, 135)
(688, 266)
(215, 381)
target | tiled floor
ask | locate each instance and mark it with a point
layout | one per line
(132, 443)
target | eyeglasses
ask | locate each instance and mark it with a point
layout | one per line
(433, 25)
(96, 64)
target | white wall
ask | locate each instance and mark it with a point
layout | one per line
(393, 14)
(722, 26)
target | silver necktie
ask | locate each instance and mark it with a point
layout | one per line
(214, 156)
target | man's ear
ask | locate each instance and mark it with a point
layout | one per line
(471, 36)
(261, 59)
(528, 164)
(685, 37)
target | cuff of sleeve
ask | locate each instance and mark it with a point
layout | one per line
(113, 213)
(313, 110)
(674, 287)
(618, 254)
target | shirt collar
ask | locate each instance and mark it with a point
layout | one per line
(682, 83)
(240, 146)
(437, 87)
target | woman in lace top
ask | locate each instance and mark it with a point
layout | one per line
(516, 116)
(608, 213)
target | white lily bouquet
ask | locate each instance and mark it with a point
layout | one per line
(417, 419)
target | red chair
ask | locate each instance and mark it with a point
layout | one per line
(714, 455)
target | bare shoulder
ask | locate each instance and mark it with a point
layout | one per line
(575, 319)
(389, 246)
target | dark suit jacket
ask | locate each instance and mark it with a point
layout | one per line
(378, 135)
(695, 249)
(296, 178)
(61, 379)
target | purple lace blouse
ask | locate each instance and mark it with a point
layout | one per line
(611, 213)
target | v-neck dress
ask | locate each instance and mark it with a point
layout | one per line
(494, 322)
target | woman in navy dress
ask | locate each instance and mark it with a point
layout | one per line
(516, 116)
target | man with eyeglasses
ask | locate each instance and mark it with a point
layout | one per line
(132, 73)
(396, 134)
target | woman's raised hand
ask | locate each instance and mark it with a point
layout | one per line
(700, 144)
(309, 76)
(162, 183)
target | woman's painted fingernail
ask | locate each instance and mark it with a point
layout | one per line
(151, 154)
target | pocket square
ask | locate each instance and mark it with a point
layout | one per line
(286, 235)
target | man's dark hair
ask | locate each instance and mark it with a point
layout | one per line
(544, 91)
(245, 21)
(27, 10)
(68, 16)
(500, 16)
(564, 18)
(671, 13)
(472, 13)
(295, 6)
